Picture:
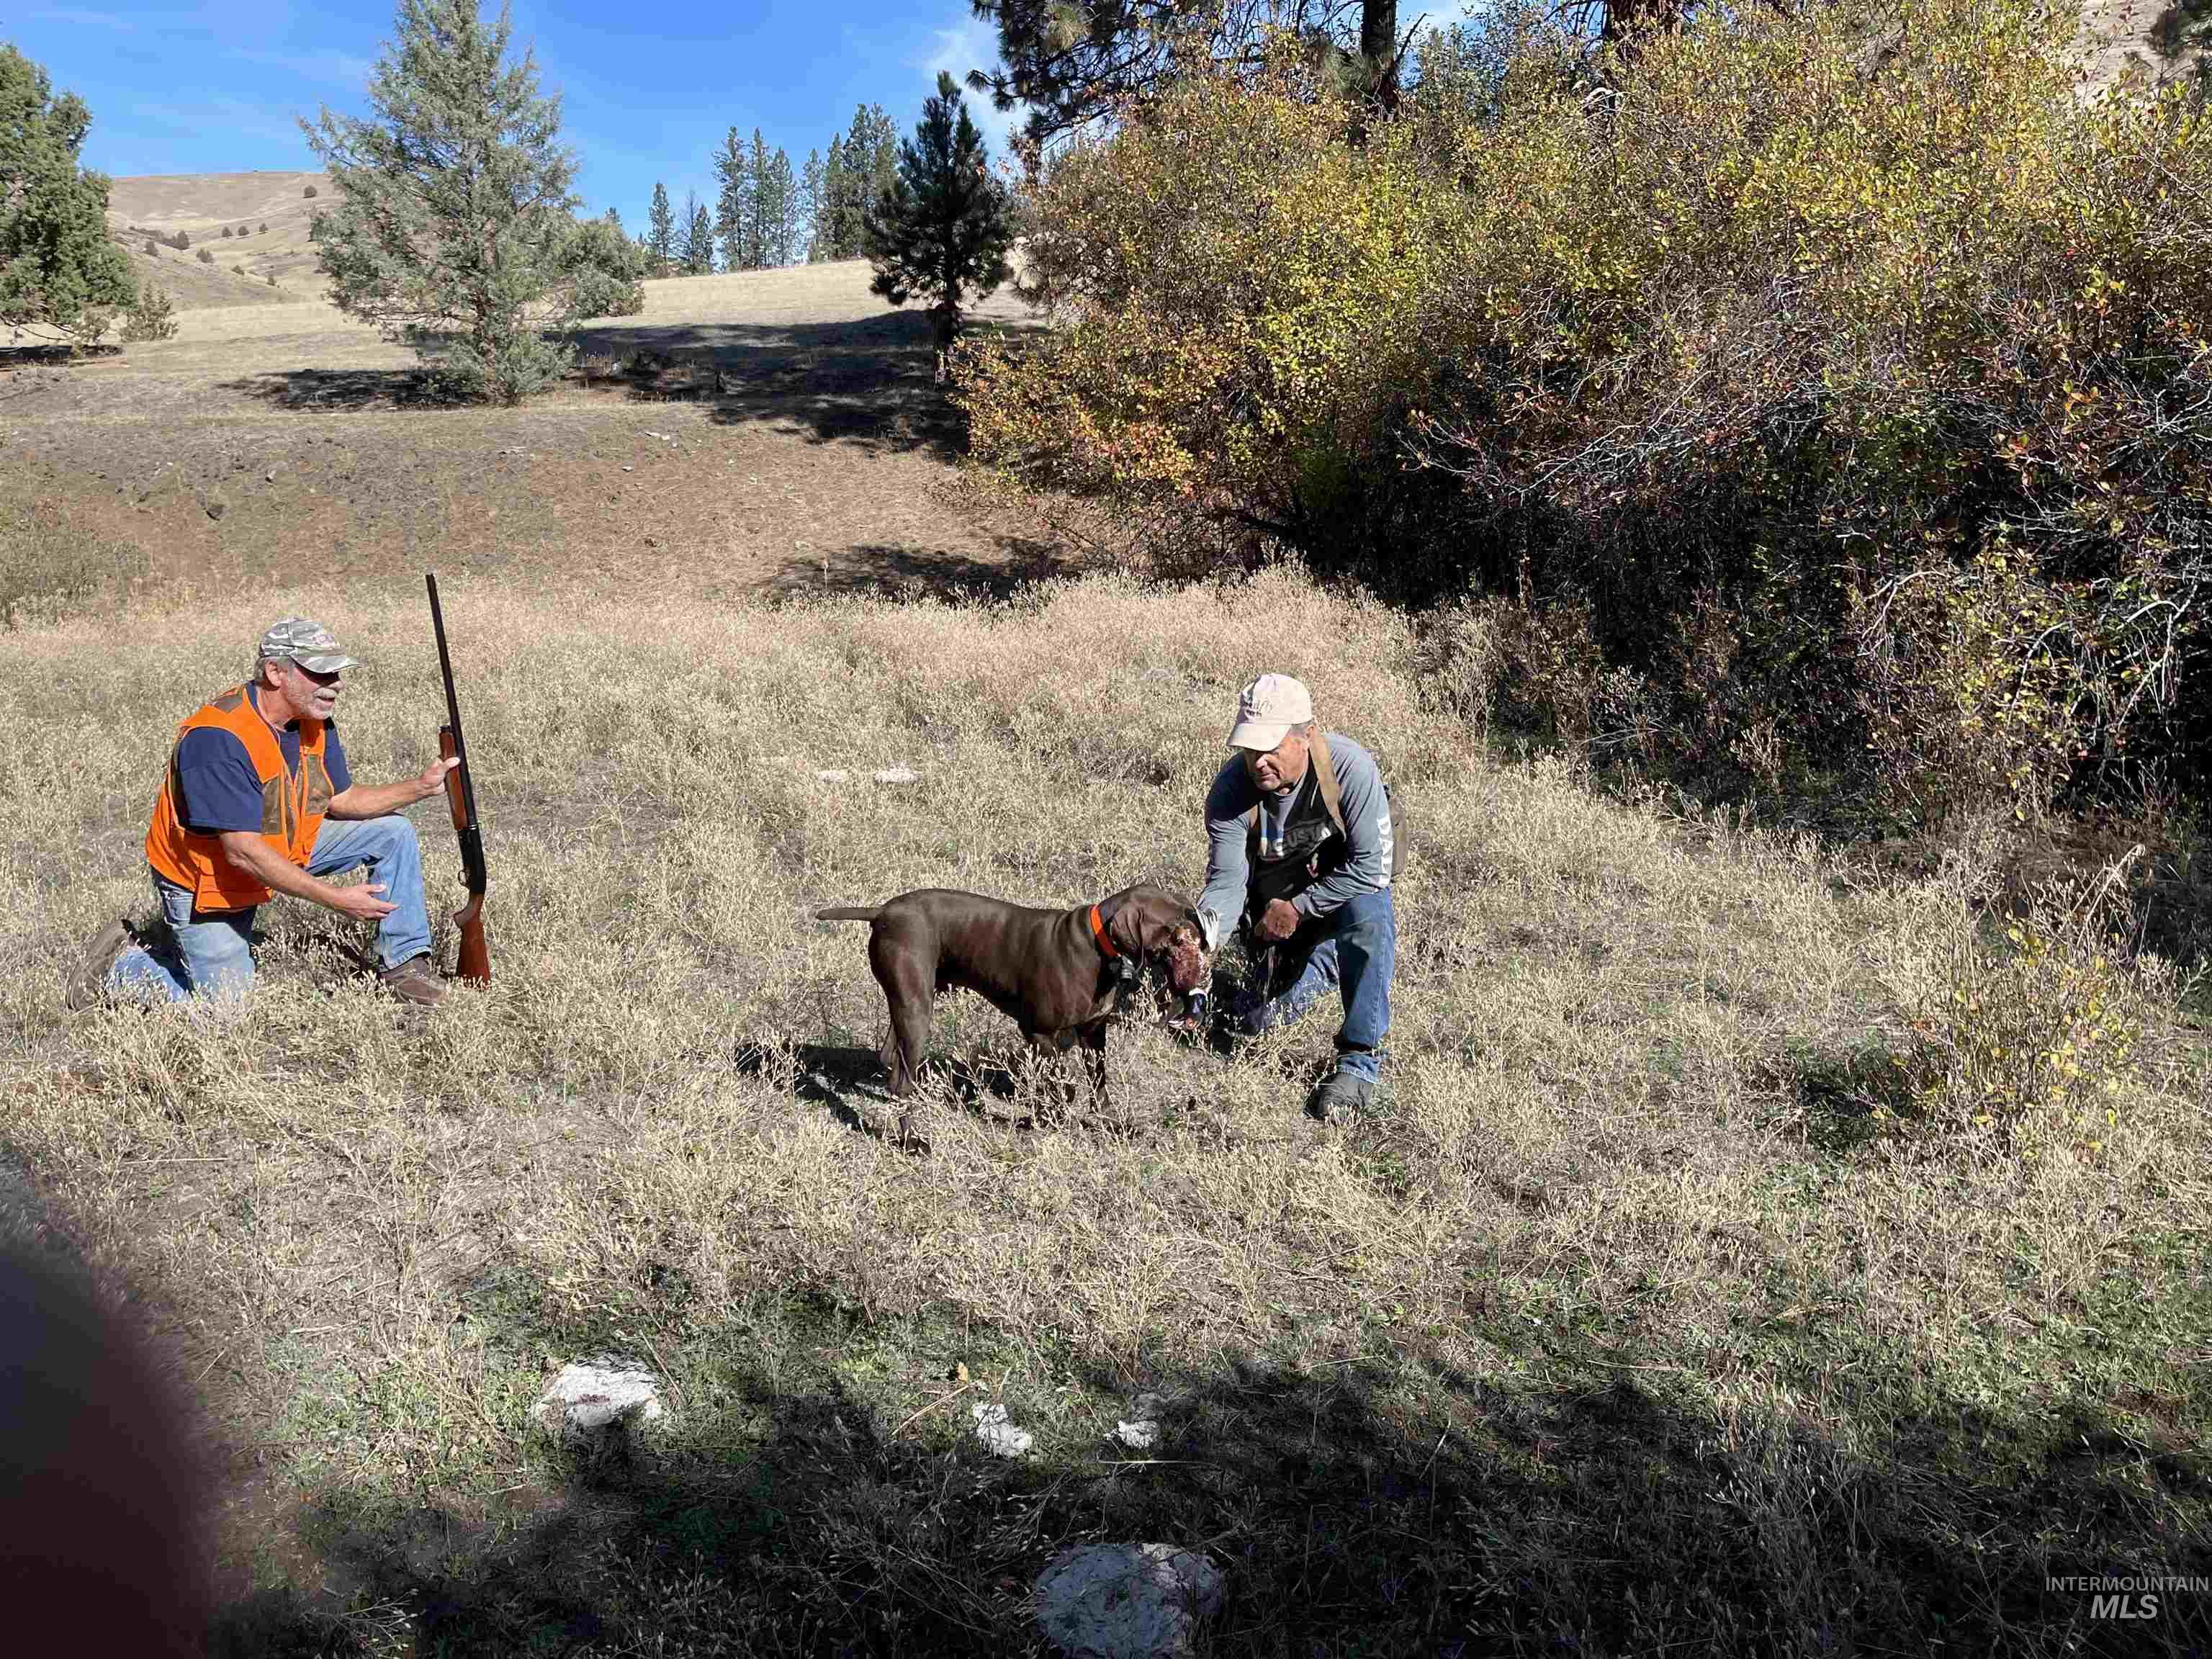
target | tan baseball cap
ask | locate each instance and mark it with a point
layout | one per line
(1267, 709)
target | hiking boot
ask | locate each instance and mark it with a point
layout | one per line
(1339, 1096)
(415, 980)
(89, 983)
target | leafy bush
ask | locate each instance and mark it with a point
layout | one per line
(152, 248)
(264, 227)
(226, 233)
(310, 192)
(2027, 1045)
(1861, 400)
(207, 257)
(152, 318)
(181, 241)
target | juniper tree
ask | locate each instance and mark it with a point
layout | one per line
(661, 231)
(60, 275)
(455, 226)
(940, 230)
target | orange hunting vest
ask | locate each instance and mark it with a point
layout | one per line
(291, 808)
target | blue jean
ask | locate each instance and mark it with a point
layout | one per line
(1355, 948)
(211, 952)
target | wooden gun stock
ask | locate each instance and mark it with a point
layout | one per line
(473, 960)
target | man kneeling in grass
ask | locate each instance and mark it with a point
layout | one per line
(1301, 849)
(239, 816)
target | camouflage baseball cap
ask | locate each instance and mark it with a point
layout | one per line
(309, 644)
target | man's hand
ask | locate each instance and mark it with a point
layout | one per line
(433, 775)
(361, 902)
(1278, 922)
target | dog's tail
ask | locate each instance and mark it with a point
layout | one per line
(848, 913)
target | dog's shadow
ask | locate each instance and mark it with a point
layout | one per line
(848, 1080)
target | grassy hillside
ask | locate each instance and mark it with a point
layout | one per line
(1621, 1327)
(202, 206)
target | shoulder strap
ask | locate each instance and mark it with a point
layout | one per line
(1325, 775)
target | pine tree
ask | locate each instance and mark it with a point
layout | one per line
(455, 226)
(807, 218)
(836, 185)
(760, 209)
(660, 235)
(733, 200)
(786, 237)
(59, 273)
(940, 229)
(698, 252)
(870, 159)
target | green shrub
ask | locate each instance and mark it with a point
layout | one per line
(2029, 1045)
(152, 318)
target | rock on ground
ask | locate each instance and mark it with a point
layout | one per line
(591, 1396)
(1126, 1600)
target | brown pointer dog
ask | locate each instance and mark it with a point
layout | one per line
(1052, 972)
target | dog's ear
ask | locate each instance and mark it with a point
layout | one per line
(1134, 925)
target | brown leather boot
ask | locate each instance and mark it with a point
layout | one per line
(415, 980)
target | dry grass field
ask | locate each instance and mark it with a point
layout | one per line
(1645, 1316)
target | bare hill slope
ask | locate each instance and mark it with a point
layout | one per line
(266, 213)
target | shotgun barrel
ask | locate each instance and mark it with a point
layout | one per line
(473, 961)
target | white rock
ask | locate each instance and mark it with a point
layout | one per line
(897, 774)
(832, 776)
(591, 1396)
(999, 1436)
(1142, 1431)
(1126, 1600)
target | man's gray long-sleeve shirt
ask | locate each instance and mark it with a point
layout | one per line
(1367, 830)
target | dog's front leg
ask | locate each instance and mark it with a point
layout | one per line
(1093, 1038)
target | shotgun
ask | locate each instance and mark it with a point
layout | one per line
(474, 958)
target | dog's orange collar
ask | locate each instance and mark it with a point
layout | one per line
(1098, 932)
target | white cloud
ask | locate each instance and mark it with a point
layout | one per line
(966, 43)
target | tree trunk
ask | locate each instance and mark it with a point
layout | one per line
(1378, 45)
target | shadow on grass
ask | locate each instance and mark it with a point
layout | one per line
(342, 391)
(870, 383)
(1383, 1504)
(1012, 1088)
(899, 572)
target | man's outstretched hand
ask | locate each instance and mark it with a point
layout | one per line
(1278, 922)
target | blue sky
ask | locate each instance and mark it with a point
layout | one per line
(647, 92)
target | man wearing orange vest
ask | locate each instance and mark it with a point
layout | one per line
(240, 816)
